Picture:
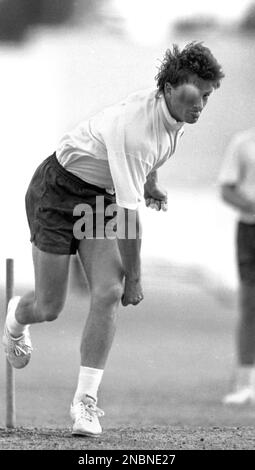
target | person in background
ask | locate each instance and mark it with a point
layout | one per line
(237, 183)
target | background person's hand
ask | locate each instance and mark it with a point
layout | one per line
(133, 292)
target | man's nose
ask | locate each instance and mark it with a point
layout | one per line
(198, 105)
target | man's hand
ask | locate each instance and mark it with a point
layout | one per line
(155, 197)
(133, 293)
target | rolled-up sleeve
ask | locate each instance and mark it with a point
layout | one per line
(129, 176)
(128, 170)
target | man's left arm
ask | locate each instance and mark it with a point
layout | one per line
(155, 197)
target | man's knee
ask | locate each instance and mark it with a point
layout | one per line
(49, 309)
(108, 295)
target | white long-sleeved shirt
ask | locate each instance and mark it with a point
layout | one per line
(239, 168)
(118, 147)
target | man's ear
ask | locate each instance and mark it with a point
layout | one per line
(168, 88)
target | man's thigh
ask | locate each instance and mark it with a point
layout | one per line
(51, 275)
(101, 261)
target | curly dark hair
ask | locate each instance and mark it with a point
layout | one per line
(177, 65)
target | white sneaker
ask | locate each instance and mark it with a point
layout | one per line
(18, 350)
(85, 416)
(242, 396)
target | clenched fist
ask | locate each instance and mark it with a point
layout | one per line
(155, 197)
(133, 293)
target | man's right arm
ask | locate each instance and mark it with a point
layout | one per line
(231, 195)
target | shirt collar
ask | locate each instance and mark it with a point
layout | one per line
(170, 123)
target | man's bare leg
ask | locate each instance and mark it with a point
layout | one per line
(102, 264)
(48, 298)
(244, 380)
(246, 326)
(42, 304)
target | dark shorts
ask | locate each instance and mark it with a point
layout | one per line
(51, 198)
(246, 252)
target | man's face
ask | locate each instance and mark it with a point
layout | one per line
(186, 102)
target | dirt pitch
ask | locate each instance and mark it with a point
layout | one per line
(147, 438)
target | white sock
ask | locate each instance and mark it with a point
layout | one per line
(15, 328)
(88, 383)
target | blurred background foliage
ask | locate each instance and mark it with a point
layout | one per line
(195, 23)
(201, 23)
(17, 17)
